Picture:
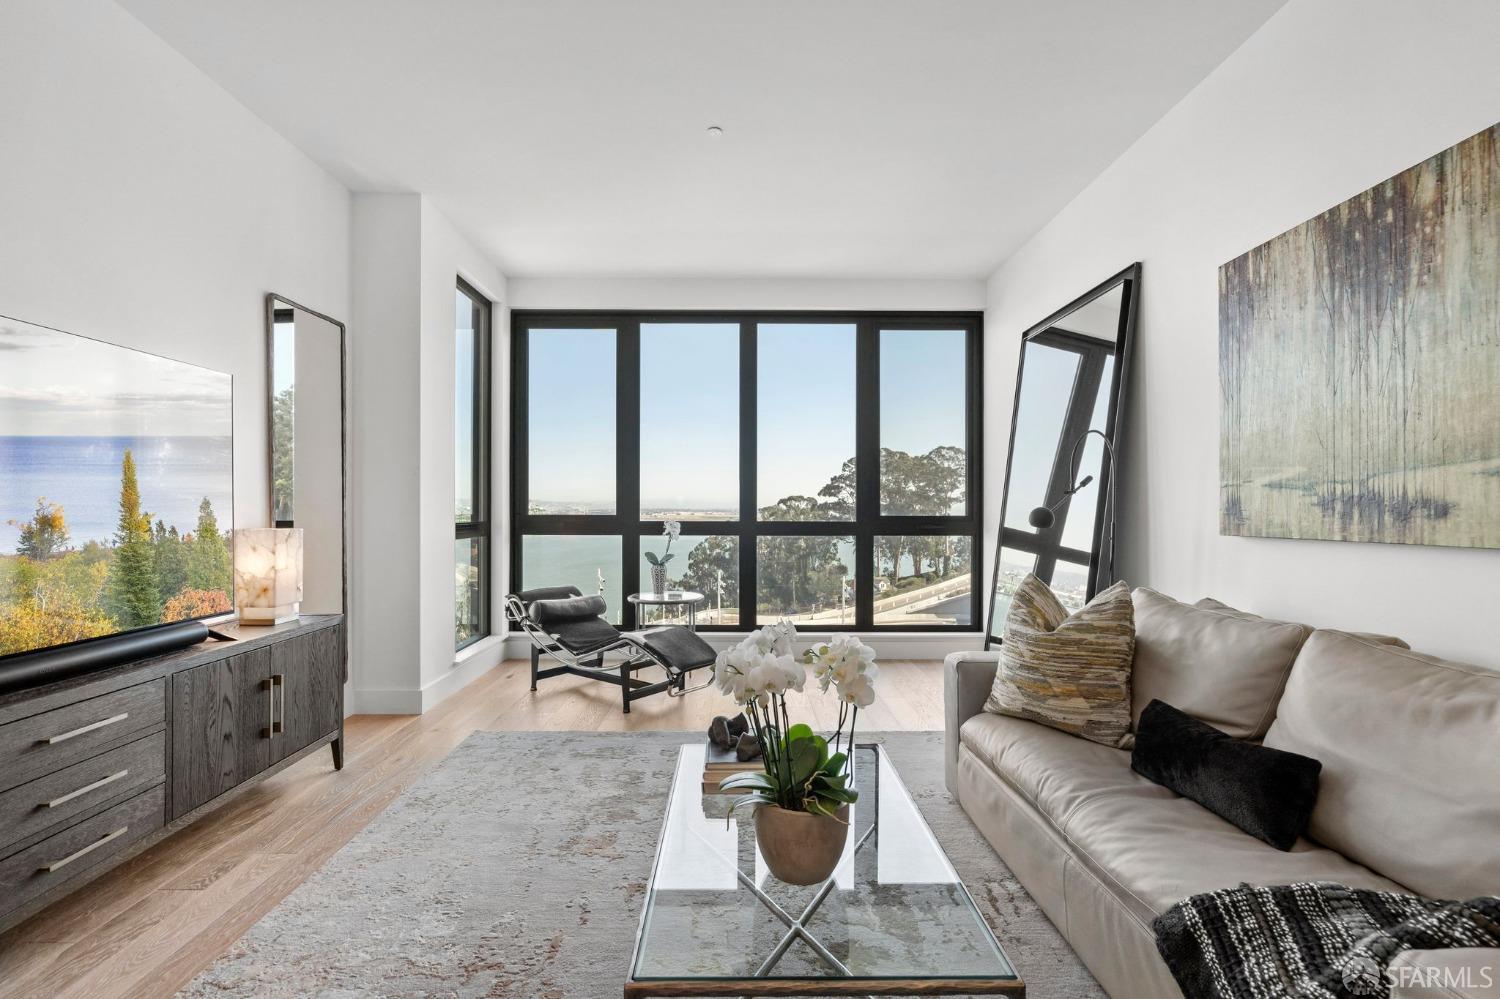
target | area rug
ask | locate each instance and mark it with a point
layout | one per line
(516, 868)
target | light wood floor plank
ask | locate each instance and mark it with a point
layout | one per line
(147, 928)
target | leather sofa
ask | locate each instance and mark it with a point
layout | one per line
(1409, 796)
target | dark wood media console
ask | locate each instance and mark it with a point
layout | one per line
(96, 768)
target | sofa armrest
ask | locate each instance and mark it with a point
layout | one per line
(1459, 973)
(967, 679)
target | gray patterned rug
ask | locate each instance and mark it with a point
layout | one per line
(516, 867)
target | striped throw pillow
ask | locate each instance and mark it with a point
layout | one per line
(1069, 673)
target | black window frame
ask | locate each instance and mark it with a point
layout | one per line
(478, 524)
(868, 523)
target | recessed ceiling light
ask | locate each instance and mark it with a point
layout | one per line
(715, 131)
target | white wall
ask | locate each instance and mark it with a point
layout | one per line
(407, 258)
(385, 503)
(749, 293)
(1329, 98)
(141, 205)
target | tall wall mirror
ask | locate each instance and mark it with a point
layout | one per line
(1058, 511)
(305, 352)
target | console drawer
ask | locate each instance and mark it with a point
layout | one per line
(65, 855)
(45, 743)
(56, 798)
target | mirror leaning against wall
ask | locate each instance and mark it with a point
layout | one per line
(305, 354)
(1057, 514)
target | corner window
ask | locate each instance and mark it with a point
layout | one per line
(471, 422)
(822, 465)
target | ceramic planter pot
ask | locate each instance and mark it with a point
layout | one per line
(658, 579)
(801, 848)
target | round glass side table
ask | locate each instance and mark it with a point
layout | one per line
(669, 599)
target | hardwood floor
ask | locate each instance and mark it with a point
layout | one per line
(148, 927)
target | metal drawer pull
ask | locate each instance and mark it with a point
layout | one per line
(53, 740)
(278, 680)
(86, 789)
(270, 728)
(96, 844)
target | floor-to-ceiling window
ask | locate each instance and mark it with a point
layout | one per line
(471, 422)
(824, 467)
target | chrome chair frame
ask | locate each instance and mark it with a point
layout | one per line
(635, 655)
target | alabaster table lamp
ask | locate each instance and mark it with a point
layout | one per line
(267, 574)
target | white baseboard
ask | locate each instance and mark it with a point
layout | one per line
(390, 701)
(468, 666)
(483, 656)
(887, 645)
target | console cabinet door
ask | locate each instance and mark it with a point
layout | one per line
(312, 667)
(221, 727)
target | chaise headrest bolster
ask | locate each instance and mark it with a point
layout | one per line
(568, 609)
(547, 593)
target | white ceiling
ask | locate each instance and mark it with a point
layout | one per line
(862, 138)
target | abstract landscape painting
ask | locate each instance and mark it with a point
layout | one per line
(1359, 365)
(116, 489)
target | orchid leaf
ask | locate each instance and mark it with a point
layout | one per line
(748, 801)
(804, 758)
(759, 780)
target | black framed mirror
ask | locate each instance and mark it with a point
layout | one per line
(1057, 514)
(307, 445)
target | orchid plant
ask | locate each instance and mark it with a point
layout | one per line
(803, 772)
(671, 530)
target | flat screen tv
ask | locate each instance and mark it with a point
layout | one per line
(116, 490)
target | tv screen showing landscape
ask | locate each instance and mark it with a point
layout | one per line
(116, 489)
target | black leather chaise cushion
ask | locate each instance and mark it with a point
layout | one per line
(679, 648)
(576, 622)
(583, 636)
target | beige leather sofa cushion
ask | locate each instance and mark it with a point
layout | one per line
(1410, 746)
(1054, 771)
(1220, 667)
(1209, 603)
(1159, 851)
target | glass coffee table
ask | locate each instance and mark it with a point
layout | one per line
(893, 920)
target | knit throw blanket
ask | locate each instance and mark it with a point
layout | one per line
(1315, 940)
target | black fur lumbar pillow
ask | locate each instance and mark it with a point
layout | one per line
(1269, 793)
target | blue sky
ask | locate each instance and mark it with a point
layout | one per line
(571, 397)
(690, 409)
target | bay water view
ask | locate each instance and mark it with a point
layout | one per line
(82, 476)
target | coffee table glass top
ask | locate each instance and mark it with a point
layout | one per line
(894, 911)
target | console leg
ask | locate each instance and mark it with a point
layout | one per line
(337, 746)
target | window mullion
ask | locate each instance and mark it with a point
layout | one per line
(628, 461)
(749, 463)
(867, 469)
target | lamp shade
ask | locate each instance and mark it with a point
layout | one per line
(268, 574)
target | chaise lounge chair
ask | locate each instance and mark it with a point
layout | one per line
(570, 629)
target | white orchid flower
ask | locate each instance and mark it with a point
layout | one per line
(858, 692)
(671, 529)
